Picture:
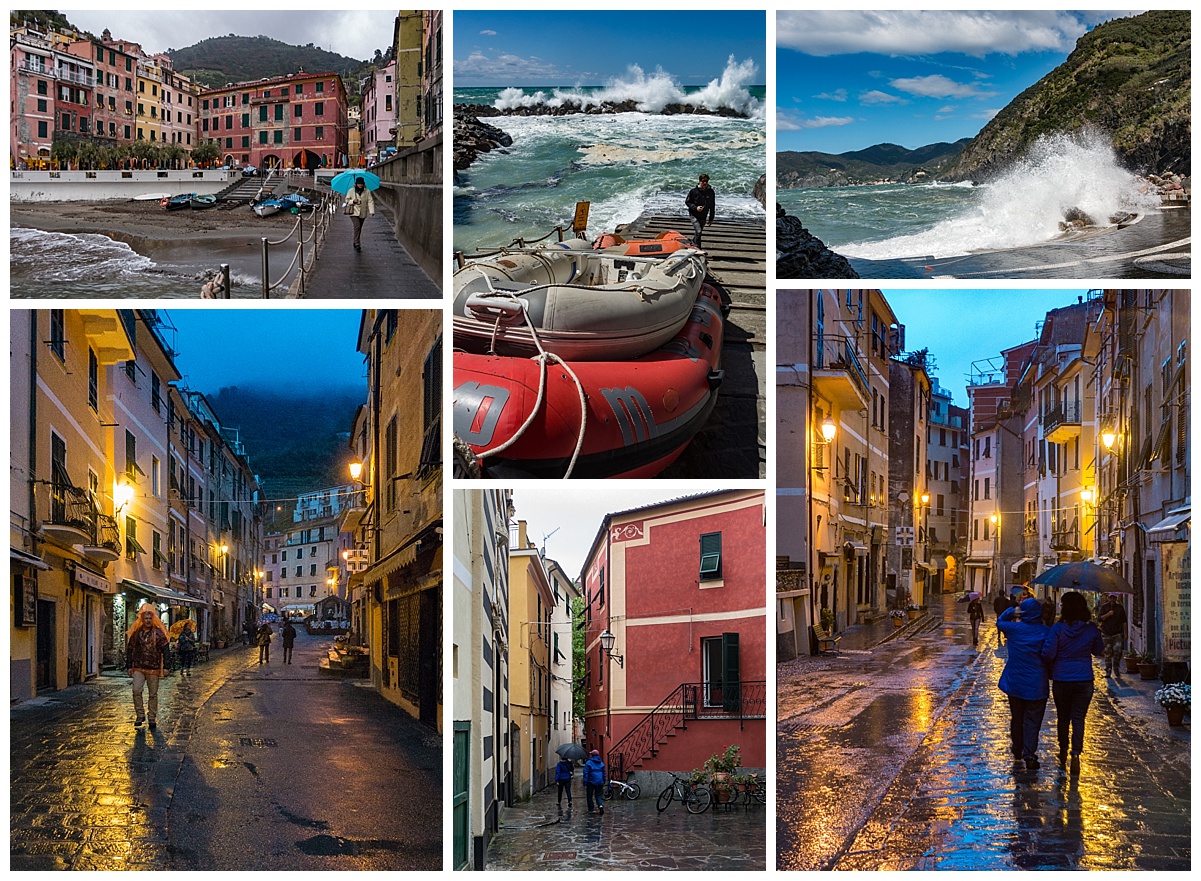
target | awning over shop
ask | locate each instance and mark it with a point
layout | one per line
(165, 594)
(978, 563)
(939, 562)
(92, 580)
(1020, 563)
(1169, 524)
(27, 559)
(923, 565)
(858, 549)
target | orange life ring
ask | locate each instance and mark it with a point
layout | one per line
(163, 201)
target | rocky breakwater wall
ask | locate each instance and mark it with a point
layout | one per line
(800, 254)
(411, 188)
(472, 137)
(567, 108)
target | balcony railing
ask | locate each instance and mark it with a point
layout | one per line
(73, 76)
(71, 507)
(107, 534)
(838, 353)
(35, 68)
(1064, 414)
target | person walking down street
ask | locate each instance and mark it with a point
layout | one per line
(563, 774)
(288, 634)
(145, 658)
(248, 634)
(702, 205)
(359, 203)
(263, 639)
(1070, 647)
(1112, 616)
(1024, 679)
(975, 614)
(594, 781)
(187, 648)
(999, 605)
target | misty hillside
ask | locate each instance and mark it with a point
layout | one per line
(233, 59)
(296, 440)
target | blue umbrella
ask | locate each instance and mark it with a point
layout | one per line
(1084, 576)
(344, 182)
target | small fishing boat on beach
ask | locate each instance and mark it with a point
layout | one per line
(200, 202)
(267, 207)
(296, 201)
(174, 203)
(152, 197)
(579, 361)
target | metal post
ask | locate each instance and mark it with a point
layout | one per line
(300, 243)
(266, 277)
(225, 279)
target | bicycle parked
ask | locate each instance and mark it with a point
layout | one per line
(694, 799)
(616, 787)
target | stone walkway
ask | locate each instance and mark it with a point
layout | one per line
(630, 835)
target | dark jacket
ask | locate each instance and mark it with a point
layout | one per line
(1024, 675)
(1114, 623)
(289, 635)
(1070, 648)
(975, 611)
(1000, 604)
(563, 771)
(702, 204)
(264, 636)
(594, 771)
(144, 650)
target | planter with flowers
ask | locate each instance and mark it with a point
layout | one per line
(1132, 661)
(1175, 699)
(722, 767)
(897, 616)
(911, 610)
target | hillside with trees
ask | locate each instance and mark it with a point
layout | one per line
(797, 170)
(233, 59)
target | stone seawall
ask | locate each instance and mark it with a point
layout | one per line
(99, 186)
(412, 187)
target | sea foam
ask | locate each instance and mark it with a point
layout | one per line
(1026, 205)
(650, 93)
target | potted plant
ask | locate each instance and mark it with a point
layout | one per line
(1175, 699)
(827, 619)
(1147, 668)
(897, 616)
(1132, 659)
(911, 610)
(721, 766)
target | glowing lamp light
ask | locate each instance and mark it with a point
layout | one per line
(1086, 494)
(356, 470)
(123, 495)
(1108, 436)
(829, 429)
(925, 498)
(993, 519)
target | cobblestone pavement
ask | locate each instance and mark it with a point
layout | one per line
(382, 269)
(917, 729)
(251, 767)
(629, 835)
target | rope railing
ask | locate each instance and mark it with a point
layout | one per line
(461, 258)
(300, 262)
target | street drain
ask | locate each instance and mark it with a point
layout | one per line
(258, 741)
(555, 855)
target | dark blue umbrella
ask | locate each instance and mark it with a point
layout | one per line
(1084, 576)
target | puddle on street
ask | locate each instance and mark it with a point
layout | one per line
(888, 715)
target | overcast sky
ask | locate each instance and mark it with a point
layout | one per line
(998, 320)
(277, 348)
(576, 512)
(547, 47)
(847, 80)
(355, 33)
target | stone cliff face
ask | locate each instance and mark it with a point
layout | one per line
(1129, 78)
(802, 255)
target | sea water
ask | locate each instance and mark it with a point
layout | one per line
(623, 164)
(63, 265)
(1024, 207)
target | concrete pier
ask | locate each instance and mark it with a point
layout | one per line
(733, 443)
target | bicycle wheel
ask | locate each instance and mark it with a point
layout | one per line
(698, 800)
(633, 790)
(608, 790)
(665, 798)
(760, 795)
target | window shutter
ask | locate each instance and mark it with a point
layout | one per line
(731, 676)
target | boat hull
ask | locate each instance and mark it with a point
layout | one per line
(641, 413)
(266, 209)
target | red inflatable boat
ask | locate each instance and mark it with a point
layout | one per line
(522, 416)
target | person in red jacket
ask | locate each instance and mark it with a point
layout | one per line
(145, 653)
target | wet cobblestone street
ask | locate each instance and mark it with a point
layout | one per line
(897, 757)
(630, 835)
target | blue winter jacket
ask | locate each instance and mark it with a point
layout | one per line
(594, 771)
(1070, 648)
(1024, 675)
(563, 771)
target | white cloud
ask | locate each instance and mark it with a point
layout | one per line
(504, 69)
(836, 95)
(488, 33)
(875, 96)
(786, 123)
(912, 32)
(986, 114)
(938, 86)
(950, 108)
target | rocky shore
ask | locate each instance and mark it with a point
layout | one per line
(800, 254)
(567, 108)
(472, 137)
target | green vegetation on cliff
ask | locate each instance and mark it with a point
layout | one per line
(796, 170)
(1130, 78)
(233, 59)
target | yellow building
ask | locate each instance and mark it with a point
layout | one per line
(63, 534)
(148, 101)
(531, 603)
(397, 601)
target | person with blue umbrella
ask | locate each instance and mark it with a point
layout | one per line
(357, 186)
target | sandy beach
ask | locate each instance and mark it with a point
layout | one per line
(201, 239)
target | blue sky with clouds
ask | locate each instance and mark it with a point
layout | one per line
(849, 80)
(552, 48)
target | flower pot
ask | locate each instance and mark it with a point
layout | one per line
(1148, 670)
(897, 622)
(1131, 665)
(1175, 715)
(912, 613)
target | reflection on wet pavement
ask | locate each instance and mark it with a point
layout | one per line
(919, 776)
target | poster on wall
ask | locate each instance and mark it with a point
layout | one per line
(1174, 563)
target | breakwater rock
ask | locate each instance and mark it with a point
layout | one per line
(800, 254)
(472, 137)
(567, 107)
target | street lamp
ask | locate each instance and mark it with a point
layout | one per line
(1108, 436)
(607, 641)
(356, 471)
(123, 496)
(829, 429)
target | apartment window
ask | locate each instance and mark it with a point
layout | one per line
(320, 87)
(988, 447)
(155, 466)
(131, 457)
(283, 593)
(976, 489)
(300, 88)
(298, 571)
(262, 137)
(58, 334)
(93, 380)
(390, 464)
(279, 137)
(720, 671)
(986, 488)
(312, 569)
(296, 134)
(269, 592)
(938, 505)
(263, 113)
(710, 556)
(132, 548)
(975, 530)
(284, 556)
(319, 108)
(319, 133)
(279, 112)
(298, 111)
(312, 590)
(156, 549)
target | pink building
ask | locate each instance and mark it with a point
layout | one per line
(116, 73)
(379, 112)
(293, 121)
(31, 79)
(678, 591)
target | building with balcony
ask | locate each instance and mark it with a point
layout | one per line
(32, 91)
(431, 73)
(397, 597)
(907, 564)
(674, 633)
(115, 91)
(946, 514)
(482, 776)
(379, 112)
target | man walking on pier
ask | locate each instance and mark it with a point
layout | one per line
(701, 204)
